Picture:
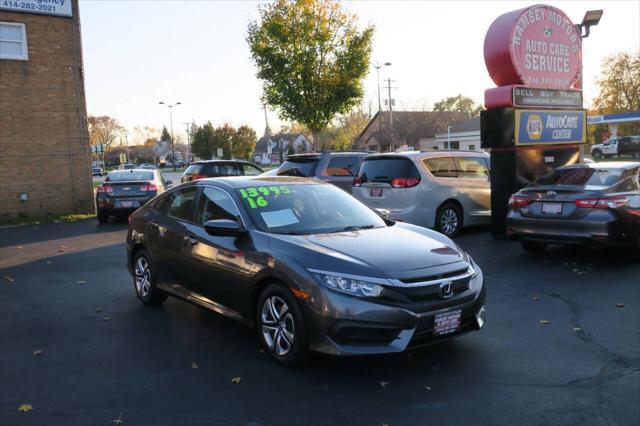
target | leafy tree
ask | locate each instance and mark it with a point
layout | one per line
(619, 89)
(223, 138)
(459, 103)
(103, 130)
(351, 125)
(311, 58)
(244, 142)
(165, 135)
(202, 141)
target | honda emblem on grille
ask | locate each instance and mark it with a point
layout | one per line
(446, 289)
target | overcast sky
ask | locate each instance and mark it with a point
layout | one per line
(137, 53)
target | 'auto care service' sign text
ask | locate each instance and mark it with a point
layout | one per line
(43, 7)
(537, 46)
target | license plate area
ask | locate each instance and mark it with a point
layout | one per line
(447, 322)
(552, 208)
(375, 192)
(127, 204)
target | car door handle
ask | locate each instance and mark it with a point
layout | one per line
(154, 225)
(190, 240)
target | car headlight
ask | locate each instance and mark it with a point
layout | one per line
(349, 284)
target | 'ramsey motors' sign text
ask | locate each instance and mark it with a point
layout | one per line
(43, 7)
(537, 46)
(549, 127)
(531, 97)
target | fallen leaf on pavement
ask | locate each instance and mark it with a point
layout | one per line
(544, 322)
(107, 318)
(19, 247)
(236, 380)
(194, 365)
(82, 282)
(8, 278)
(25, 408)
(577, 329)
(428, 388)
(384, 384)
(535, 299)
(98, 310)
(49, 262)
(37, 352)
(118, 420)
(619, 305)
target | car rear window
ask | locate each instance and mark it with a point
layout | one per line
(384, 169)
(582, 177)
(343, 165)
(129, 176)
(301, 167)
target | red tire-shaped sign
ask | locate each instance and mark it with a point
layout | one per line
(537, 46)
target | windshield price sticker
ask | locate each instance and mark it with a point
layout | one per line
(255, 196)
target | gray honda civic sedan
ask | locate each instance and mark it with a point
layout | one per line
(311, 267)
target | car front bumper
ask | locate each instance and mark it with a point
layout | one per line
(345, 325)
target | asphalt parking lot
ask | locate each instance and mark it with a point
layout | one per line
(561, 347)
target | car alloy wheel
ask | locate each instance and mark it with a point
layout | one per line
(278, 326)
(449, 221)
(142, 277)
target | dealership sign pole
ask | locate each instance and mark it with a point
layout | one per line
(534, 119)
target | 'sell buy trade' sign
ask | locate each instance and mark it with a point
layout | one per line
(537, 46)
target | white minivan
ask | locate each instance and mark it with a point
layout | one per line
(445, 190)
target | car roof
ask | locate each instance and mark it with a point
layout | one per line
(626, 165)
(220, 162)
(430, 153)
(133, 170)
(308, 155)
(234, 182)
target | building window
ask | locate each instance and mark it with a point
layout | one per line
(472, 147)
(13, 41)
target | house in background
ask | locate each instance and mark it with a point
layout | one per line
(465, 135)
(274, 149)
(405, 130)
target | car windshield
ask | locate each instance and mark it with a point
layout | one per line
(582, 177)
(301, 209)
(129, 176)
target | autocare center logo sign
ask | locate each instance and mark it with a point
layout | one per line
(549, 127)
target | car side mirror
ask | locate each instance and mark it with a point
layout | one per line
(384, 213)
(224, 228)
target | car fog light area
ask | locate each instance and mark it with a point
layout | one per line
(351, 286)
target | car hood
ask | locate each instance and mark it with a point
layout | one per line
(389, 252)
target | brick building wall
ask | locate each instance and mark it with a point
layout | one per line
(44, 146)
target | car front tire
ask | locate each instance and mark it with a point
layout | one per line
(145, 279)
(597, 154)
(533, 247)
(449, 220)
(281, 326)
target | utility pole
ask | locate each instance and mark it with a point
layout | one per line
(377, 66)
(126, 138)
(188, 143)
(173, 148)
(267, 129)
(389, 87)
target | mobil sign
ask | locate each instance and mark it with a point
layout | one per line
(537, 46)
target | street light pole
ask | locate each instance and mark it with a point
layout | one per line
(173, 148)
(448, 137)
(188, 143)
(377, 66)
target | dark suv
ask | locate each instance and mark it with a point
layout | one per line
(217, 168)
(336, 167)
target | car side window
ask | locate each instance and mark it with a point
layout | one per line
(629, 181)
(441, 167)
(178, 204)
(343, 165)
(216, 204)
(472, 167)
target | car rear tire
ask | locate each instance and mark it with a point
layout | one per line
(449, 219)
(103, 217)
(281, 326)
(144, 280)
(533, 247)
